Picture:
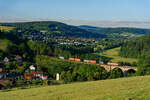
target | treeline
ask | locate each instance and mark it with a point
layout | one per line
(107, 43)
(115, 30)
(134, 48)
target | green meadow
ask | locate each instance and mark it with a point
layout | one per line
(6, 28)
(137, 88)
(4, 43)
(114, 54)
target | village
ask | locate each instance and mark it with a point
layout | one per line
(42, 36)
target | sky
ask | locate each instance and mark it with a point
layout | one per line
(76, 11)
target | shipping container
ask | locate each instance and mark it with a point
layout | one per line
(101, 62)
(113, 64)
(87, 61)
(71, 59)
(61, 57)
(77, 59)
(93, 61)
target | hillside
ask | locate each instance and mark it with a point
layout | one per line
(121, 32)
(54, 28)
(134, 48)
(116, 89)
(85, 31)
(6, 28)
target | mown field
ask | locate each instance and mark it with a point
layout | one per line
(137, 88)
(4, 43)
(6, 28)
(113, 53)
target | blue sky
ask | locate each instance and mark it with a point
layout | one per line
(77, 9)
(125, 10)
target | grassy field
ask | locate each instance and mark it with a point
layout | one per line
(113, 53)
(4, 43)
(6, 28)
(137, 88)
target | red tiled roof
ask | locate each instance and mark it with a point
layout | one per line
(45, 75)
(34, 73)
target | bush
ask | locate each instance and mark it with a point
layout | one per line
(6, 84)
(116, 73)
(20, 83)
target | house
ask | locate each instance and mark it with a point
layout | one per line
(6, 60)
(28, 76)
(35, 75)
(38, 74)
(20, 67)
(44, 77)
(32, 68)
(18, 58)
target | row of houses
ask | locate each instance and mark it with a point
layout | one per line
(42, 36)
(33, 74)
(7, 59)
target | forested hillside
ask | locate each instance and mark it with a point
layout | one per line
(134, 48)
(54, 28)
(61, 29)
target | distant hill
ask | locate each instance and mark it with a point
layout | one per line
(116, 32)
(120, 30)
(85, 31)
(87, 27)
(55, 28)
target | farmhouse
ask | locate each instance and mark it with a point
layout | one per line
(18, 58)
(35, 75)
(6, 60)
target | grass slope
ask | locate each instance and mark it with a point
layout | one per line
(137, 88)
(113, 53)
(6, 28)
(4, 43)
